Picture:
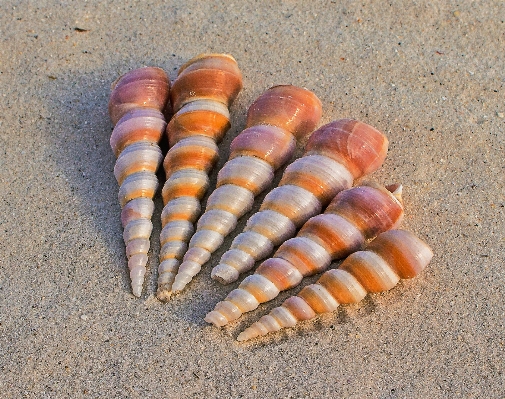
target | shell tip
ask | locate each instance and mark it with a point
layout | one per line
(137, 291)
(181, 281)
(246, 335)
(164, 294)
(242, 337)
(224, 274)
(178, 287)
(216, 318)
(397, 191)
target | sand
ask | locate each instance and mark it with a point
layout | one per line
(431, 75)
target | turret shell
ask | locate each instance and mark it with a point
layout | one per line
(378, 268)
(136, 104)
(204, 89)
(336, 154)
(312, 252)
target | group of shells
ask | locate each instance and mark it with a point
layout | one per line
(359, 222)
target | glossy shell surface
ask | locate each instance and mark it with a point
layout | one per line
(323, 238)
(393, 255)
(204, 89)
(136, 104)
(276, 120)
(335, 155)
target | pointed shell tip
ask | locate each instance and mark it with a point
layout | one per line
(242, 337)
(215, 318)
(178, 287)
(164, 295)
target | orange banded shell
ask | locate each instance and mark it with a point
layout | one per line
(359, 147)
(147, 87)
(136, 104)
(335, 155)
(391, 256)
(299, 114)
(278, 119)
(214, 77)
(313, 249)
(204, 89)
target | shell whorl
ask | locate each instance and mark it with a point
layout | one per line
(359, 147)
(393, 255)
(214, 77)
(278, 119)
(136, 104)
(204, 89)
(323, 238)
(335, 155)
(146, 87)
(288, 107)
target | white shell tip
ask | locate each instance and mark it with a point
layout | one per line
(181, 280)
(216, 318)
(246, 335)
(137, 290)
(224, 274)
(137, 274)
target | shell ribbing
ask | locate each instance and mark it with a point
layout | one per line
(204, 89)
(276, 120)
(323, 238)
(135, 107)
(392, 255)
(335, 155)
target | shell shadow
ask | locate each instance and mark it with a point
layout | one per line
(79, 145)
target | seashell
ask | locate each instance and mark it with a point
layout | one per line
(275, 121)
(141, 88)
(204, 89)
(354, 216)
(335, 155)
(135, 106)
(393, 255)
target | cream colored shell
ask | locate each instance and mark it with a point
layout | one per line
(276, 120)
(354, 216)
(392, 255)
(136, 104)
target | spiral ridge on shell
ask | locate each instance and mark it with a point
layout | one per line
(353, 217)
(393, 255)
(335, 155)
(278, 119)
(136, 104)
(201, 95)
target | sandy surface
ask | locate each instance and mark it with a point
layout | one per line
(431, 75)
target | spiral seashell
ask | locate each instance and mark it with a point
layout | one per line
(141, 88)
(354, 216)
(204, 89)
(135, 107)
(275, 121)
(393, 255)
(335, 155)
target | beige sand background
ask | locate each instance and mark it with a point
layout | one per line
(430, 74)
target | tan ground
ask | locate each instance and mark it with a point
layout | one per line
(430, 74)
